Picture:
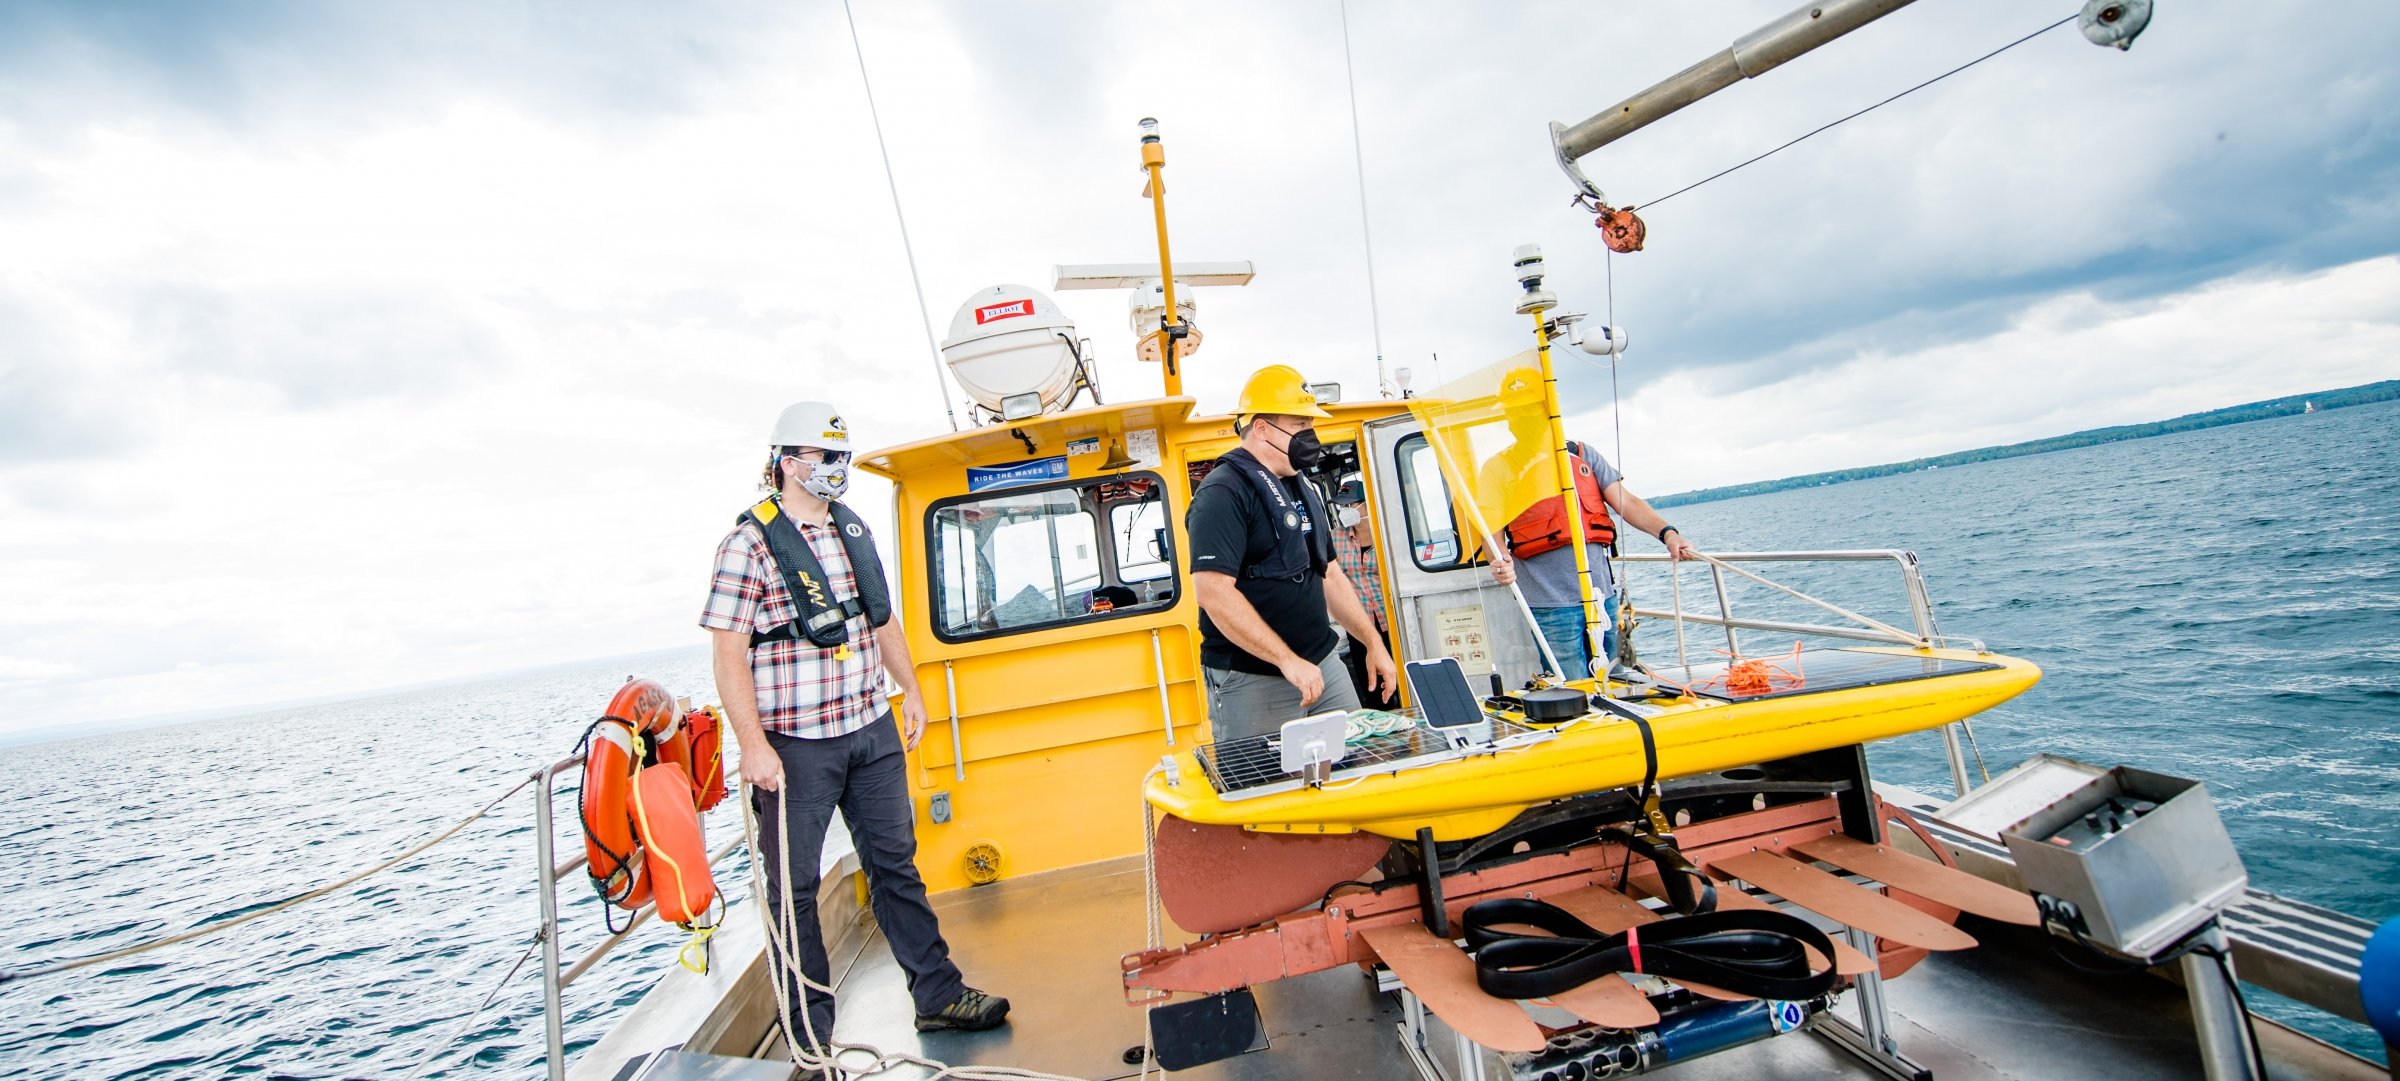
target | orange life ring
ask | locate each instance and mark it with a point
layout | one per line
(640, 803)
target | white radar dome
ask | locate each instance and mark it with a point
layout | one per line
(1008, 341)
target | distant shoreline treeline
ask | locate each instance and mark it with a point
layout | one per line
(2273, 407)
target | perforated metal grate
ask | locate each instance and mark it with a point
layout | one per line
(1252, 766)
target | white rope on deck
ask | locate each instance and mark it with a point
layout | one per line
(782, 935)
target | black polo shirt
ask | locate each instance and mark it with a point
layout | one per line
(1229, 531)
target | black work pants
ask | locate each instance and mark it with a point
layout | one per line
(1354, 655)
(862, 775)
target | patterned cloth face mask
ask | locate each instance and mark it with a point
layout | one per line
(828, 479)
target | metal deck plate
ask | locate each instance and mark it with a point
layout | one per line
(1252, 766)
(1824, 670)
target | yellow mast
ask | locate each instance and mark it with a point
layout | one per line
(1170, 331)
(1536, 303)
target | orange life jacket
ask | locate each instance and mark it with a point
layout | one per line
(1544, 526)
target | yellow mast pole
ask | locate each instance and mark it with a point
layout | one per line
(1563, 469)
(1154, 159)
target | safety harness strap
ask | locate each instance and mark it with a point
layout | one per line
(822, 617)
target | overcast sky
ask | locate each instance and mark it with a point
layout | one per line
(348, 345)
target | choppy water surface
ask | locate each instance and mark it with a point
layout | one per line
(133, 835)
(2220, 604)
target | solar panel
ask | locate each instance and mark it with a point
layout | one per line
(1252, 766)
(1819, 670)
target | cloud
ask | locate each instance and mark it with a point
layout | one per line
(442, 338)
(316, 347)
(47, 410)
(304, 69)
(2054, 167)
(2068, 364)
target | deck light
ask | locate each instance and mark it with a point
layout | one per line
(1021, 406)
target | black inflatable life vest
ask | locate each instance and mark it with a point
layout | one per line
(823, 618)
(1303, 532)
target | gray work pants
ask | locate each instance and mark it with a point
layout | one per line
(862, 775)
(1247, 704)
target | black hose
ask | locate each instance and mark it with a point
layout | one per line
(2258, 1056)
(618, 864)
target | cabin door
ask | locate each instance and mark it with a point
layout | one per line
(1444, 601)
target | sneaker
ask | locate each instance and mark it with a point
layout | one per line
(972, 1010)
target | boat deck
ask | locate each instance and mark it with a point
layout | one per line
(2009, 1009)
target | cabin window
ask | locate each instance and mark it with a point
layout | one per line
(1140, 533)
(1433, 540)
(1027, 559)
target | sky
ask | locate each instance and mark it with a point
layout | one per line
(352, 346)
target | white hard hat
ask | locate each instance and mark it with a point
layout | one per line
(811, 424)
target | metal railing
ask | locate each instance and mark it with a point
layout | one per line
(554, 980)
(1926, 633)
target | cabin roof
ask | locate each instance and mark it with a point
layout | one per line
(1000, 443)
(997, 443)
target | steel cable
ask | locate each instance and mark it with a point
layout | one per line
(209, 929)
(1853, 116)
(906, 248)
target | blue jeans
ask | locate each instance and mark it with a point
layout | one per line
(1563, 629)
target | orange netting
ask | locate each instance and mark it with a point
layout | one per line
(1750, 677)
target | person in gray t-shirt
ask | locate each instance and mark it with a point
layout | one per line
(1548, 578)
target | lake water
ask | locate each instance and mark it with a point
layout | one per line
(137, 834)
(2222, 604)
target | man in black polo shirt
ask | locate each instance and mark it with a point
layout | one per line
(1264, 569)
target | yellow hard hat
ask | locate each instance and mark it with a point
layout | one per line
(1521, 386)
(1278, 389)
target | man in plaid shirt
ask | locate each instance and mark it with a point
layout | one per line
(802, 685)
(1354, 547)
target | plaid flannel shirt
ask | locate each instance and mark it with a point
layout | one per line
(804, 690)
(1359, 564)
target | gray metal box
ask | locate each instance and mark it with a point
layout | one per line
(2133, 882)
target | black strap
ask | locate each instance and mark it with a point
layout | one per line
(1649, 753)
(1298, 556)
(1749, 952)
(821, 617)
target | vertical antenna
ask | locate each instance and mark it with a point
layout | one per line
(1171, 330)
(1358, 156)
(1616, 411)
(933, 351)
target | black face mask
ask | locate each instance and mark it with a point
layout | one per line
(1303, 449)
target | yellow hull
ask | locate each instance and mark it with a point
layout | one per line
(1470, 798)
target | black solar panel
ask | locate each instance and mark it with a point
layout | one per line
(1252, 766)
